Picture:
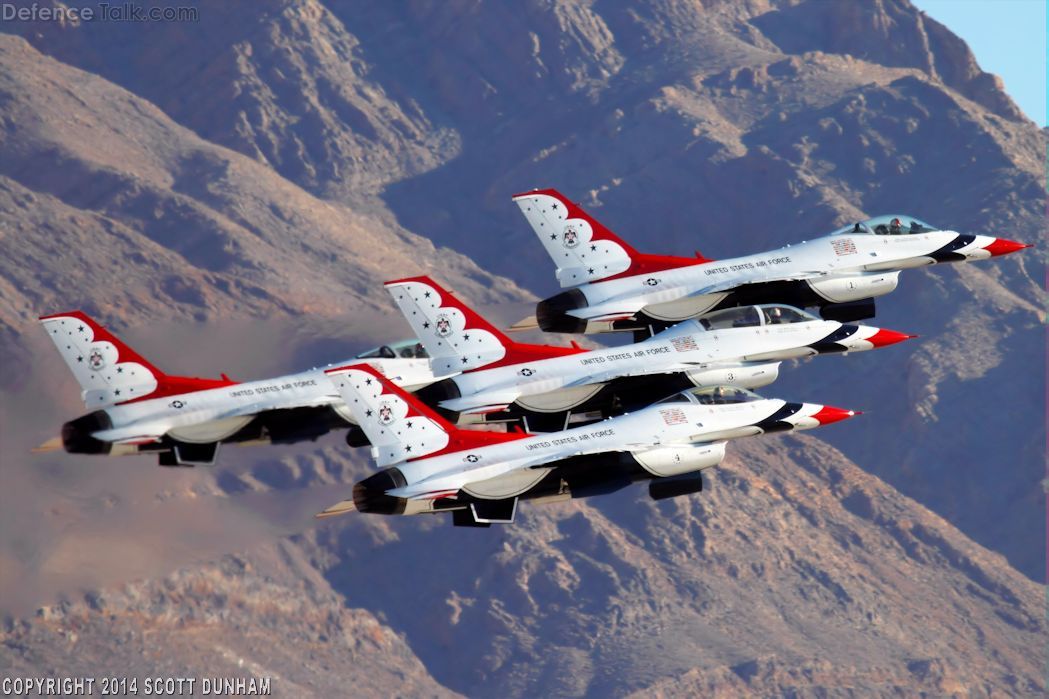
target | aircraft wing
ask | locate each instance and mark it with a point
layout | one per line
(262, 407)
(481, 403)
(612, 373)
(728, 284)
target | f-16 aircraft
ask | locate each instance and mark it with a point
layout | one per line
(429, 465)
(544, 387)
(613, 287)
(138, 408)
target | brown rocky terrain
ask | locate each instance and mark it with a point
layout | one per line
(98, 185)
(248, 180)
(268, 616)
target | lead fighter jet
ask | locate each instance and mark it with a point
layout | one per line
(137, 408)
(613, 287)
(429, 465)
(546, 388)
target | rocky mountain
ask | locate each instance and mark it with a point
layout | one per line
(793, 572)
(98, 185)
(248, 180)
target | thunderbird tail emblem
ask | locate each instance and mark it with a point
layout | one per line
(571, 238)
(443, 326)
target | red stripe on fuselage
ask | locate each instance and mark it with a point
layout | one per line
(168, 386)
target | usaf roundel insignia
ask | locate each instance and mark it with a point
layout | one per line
(96, 360)
(385, 414)
(473, 458)
(443, 326)
(570, 238)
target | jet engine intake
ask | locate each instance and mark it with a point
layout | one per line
(848, 312)
(672, 487)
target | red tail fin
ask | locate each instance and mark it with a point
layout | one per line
(399, 425)
(583, 249)
(109, 371)
(455, 336)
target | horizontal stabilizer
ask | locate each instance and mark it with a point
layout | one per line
(529, 323)
(339, 508)
(53, 444)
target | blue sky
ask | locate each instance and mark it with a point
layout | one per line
(1008, 39)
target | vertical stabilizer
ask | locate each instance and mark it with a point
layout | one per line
(455, 336)
(399, 425)
(109, 371)
(581, 247)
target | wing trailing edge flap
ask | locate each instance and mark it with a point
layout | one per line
(481, 403)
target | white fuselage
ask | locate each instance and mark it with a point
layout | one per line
(214, 414)
(509, 468)
(838, 268)
(711, 357)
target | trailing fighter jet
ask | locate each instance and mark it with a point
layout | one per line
(545, 387)
(429, 465)
(138, 408)
(613, 287)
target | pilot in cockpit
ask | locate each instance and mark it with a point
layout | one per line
(895, 227)
(775, 316)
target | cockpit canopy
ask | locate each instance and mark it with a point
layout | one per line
(714, 395)
(405, 349)
(723, 395)
(754, 316)
(893, 224)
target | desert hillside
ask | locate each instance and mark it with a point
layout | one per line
(230, 194)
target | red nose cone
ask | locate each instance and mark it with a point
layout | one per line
(1001, 246)
(827, 415)
(887, 337)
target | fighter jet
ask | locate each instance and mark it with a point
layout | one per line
(546, 388)
(613, 287)
(429, 465)
(138, 408)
